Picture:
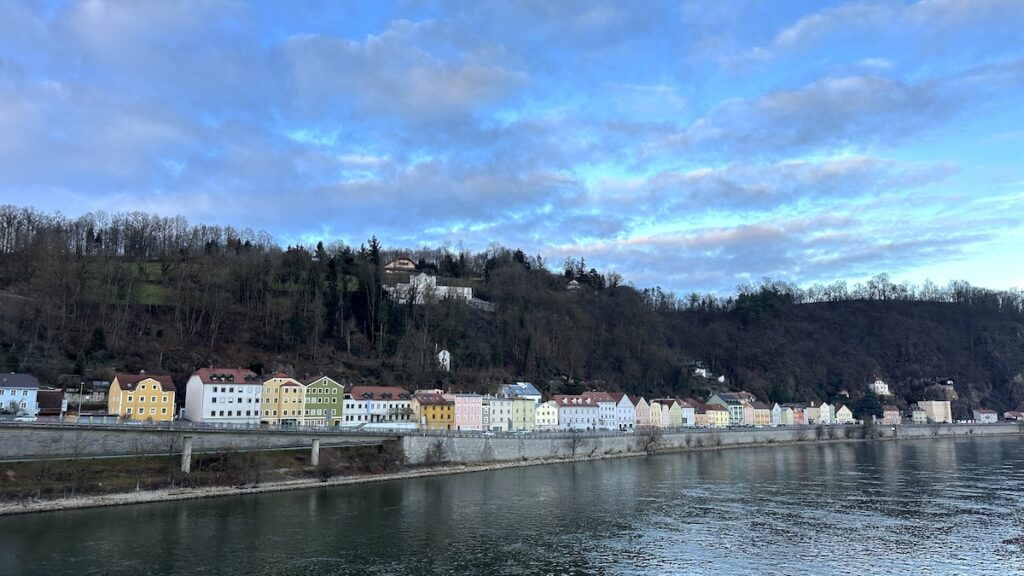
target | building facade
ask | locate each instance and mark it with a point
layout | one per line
(325, 401)
(282, 401)
(19, 395)
(143, 397)
(469, 411)
(433, 411)
(379, 407)
(228, 396)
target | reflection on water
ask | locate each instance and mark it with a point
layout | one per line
(937, 506)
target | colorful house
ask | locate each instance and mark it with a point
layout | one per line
(799, 416)
(433, 411)
(498, 413)
(776, 414)
(738, 404)
(524, 413)
(325, 400)
(223, 396)
(762, 413)
(282, 401)
(143, 397)
(643, 412)
(686, 408)
(469, 411)
(546, 416)
(890, 416)
(718, 416)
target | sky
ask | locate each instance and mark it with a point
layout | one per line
(689, 145)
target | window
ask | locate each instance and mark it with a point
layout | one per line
(152, 410)
(213, 412)
(164, 399)
(130, 397)
(152, 399)
(163, 410)
(142, 399)
(221, 412)
(213, 400)
(129, 411)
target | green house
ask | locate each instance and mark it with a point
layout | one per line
(324, 399)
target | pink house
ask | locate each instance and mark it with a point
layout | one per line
(469, 411)
(890, 416)
(643, 412)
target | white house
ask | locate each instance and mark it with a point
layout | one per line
(879, 387)
(576, 412)
(223, 396)
(844, 415)
(776, 414)
(689, 412)
(378, 407)
(985, 416)
(546, 416)
(423, 288)
(606, 409)
(498, 414)
(625, 411)
(18, 394)
(827, 414)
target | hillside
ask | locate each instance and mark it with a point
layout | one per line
(81, 298)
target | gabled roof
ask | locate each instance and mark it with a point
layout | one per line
(13, 380)
(433, 400)
(129, 382)
(890, 408)
(758, 405)
(984, 411)
(227, 375)
(617, 397)
(598, 396)
(580, 401)
(392, 393)
(309, 381)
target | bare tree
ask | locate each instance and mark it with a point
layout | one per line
(651, 439)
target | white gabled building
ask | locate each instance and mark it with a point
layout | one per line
(378, 407)
(576, 412)
(606, 409)
(223, 396)
(879, 387)
(546, 416)
(625, 412)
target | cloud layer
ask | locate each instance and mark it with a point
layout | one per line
(692, 146)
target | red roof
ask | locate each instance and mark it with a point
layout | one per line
(379, 393)
(580, 401)
(599, 396)
(433, 400)
(617, 396)
(129, 382)
(227, 375)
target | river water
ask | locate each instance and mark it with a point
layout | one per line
(931, 506)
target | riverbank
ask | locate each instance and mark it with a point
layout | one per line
(30, 506)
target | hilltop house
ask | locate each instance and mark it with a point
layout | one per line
(423, 288)
(142, 397)
(402, 264)
(879, 387)
(223, 396)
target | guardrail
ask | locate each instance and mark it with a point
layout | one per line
(185, 426)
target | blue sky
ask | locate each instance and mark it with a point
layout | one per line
(691, 145)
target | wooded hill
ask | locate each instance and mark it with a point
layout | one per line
(80, 298)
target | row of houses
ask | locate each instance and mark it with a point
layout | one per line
(235, 396)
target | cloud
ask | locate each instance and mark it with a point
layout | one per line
(392, 74)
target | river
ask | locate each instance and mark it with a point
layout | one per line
(930, 506)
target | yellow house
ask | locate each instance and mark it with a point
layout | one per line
(143, 397)
(433, 412)
(524, 414)
(718, 416)
(762, 413)
(282, 401)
